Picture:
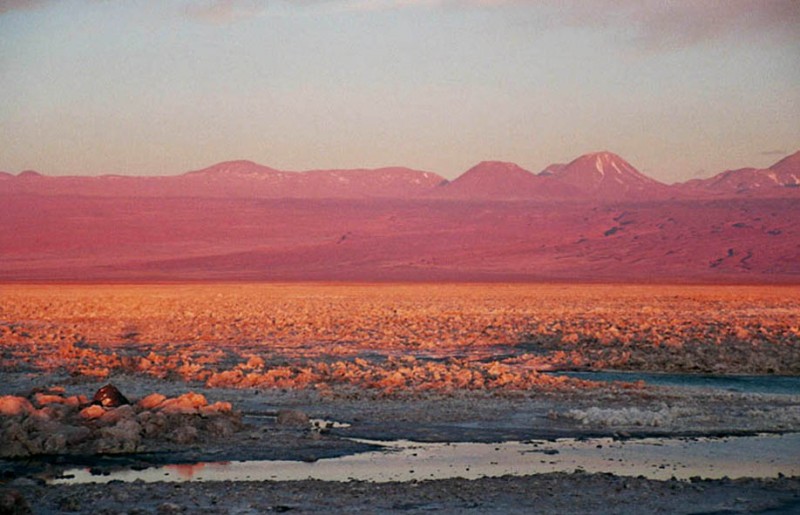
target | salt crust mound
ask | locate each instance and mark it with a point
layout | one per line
(681, 417)
(50, 422)
(612, 417)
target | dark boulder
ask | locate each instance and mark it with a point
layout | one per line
(109, 397)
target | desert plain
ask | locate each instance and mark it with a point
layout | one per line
(308, 372)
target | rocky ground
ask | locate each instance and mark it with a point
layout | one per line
(263, 374)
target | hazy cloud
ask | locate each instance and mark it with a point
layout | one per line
(208, 11)
(653, 24)
(13, 5)
(224, 11)
(676, 24)
(774, 153)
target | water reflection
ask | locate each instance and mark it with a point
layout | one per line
(187, 471)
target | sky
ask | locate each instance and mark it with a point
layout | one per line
(681, 89)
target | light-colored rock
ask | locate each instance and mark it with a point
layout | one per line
(43, 399)
(152, 401)
(216, 408)
(187, 403)
(92, 412)
(11, 405)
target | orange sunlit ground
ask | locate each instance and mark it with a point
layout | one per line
(440, 337)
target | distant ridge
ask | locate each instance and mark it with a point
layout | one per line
(238, 179)
(600, 177)
(779, 180)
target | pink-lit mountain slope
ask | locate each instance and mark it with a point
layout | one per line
(788, 168)
(242, 221)
(779, 180)
(243, 178)
(237, 179)
(80, 238)
(600, 178)
(606, 176)
(496, 180)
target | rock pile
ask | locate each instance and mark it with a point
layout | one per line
(51, 422)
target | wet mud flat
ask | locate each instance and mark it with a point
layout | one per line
(606, 417)
(547, 493)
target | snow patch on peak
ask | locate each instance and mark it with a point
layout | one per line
(598, 164)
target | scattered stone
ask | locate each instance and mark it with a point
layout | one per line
(114, 415)
(71, 503)
(11, 405)
(188, 403)
(151, 401)
(64, 426)
(124, 437)
(170, 507)
(293, 418)
(184, 434)
(92, 412)
(43, 399)
(12, 502)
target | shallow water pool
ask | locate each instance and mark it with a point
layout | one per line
(655, 458)
(780, 385)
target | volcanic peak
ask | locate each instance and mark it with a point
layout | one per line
(237, 167)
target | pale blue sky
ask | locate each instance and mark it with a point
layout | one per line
(679, 88)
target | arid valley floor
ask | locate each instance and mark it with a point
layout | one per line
(420, 362)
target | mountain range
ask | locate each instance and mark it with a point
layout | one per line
(600, 176)
(596, 218)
